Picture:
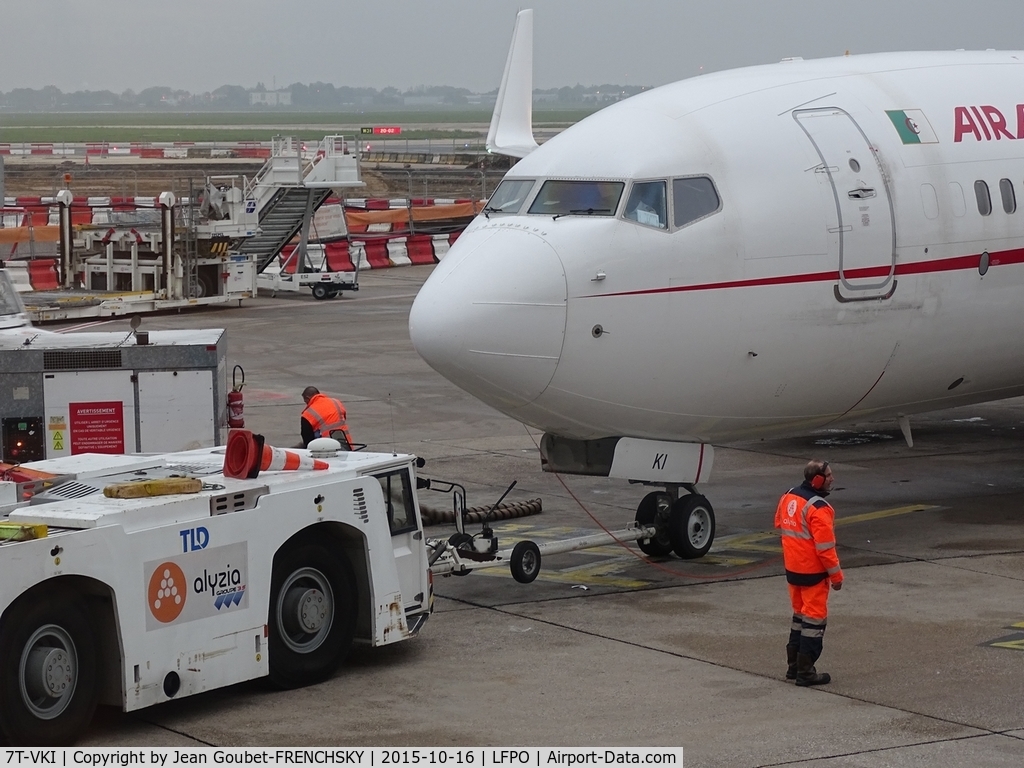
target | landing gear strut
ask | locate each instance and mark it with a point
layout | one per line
(684, 524)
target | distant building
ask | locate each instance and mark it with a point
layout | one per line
(270, 98)
(422, 101)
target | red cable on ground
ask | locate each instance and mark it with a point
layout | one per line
(639, 555)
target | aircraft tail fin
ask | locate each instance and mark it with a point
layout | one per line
(511, 131)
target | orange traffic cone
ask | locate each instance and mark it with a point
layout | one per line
(279, 458)
(247, 455)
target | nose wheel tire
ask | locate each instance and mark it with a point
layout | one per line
(691, 526)
(655, 509)
(525, 562)
(48, 671)
(312, 615)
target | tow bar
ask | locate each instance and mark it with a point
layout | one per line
(462, 552)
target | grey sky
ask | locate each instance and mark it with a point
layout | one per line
(198, 45)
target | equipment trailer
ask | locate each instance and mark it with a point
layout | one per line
(135, 601)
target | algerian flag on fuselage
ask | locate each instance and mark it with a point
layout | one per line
(912, 126)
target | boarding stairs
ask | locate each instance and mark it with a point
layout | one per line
(290, 188)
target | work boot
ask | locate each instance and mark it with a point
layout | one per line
(791, 651)
(806, 674)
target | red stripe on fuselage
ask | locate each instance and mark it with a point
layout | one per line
(1014, 256)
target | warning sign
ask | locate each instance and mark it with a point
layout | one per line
(97, 427)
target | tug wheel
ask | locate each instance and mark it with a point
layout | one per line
(312, 614)
(48, 671)
(525, 562)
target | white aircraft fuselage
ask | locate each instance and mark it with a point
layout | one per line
(865, 258)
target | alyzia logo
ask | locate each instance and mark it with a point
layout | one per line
(226, 586)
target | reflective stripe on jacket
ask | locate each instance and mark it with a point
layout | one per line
(807, 524)
(327, 415)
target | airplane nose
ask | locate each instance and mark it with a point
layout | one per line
(491, 318)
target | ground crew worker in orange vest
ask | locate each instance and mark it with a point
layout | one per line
(807, 524)
(323, 416)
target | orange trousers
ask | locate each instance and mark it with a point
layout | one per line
(810, 602)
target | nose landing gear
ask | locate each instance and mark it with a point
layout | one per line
(683, 524)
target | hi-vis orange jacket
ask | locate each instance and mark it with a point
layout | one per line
(807, 524)
(326, 415)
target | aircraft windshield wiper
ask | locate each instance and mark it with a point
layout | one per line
(584, 212)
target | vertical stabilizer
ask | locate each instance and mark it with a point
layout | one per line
(511, 131)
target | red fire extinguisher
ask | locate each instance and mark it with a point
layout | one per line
(236, 419)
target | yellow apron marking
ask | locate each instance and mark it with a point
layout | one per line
(884, 513)
(588, 575)
(1014, 642)
(601, 573)
(728, 562)
(1015, 645)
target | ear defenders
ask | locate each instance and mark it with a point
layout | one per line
(818, 481)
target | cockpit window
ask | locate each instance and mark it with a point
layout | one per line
(646, 204)
(509, 196)
(581, 198)
(693, 198)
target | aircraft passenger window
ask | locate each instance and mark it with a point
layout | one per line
(509, 196)
(930, 201)
(956, 199)
(984, 199)
(693, 198)
(582, 198)
(646, 204)
(1009, 198)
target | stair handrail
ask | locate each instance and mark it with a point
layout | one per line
(280, 146)
(329, 147)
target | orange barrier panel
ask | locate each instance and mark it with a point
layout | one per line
(456, 211)
(28, 234)
(363, 219)
(358, 220)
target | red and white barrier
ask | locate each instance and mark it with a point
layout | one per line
(381, 244)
